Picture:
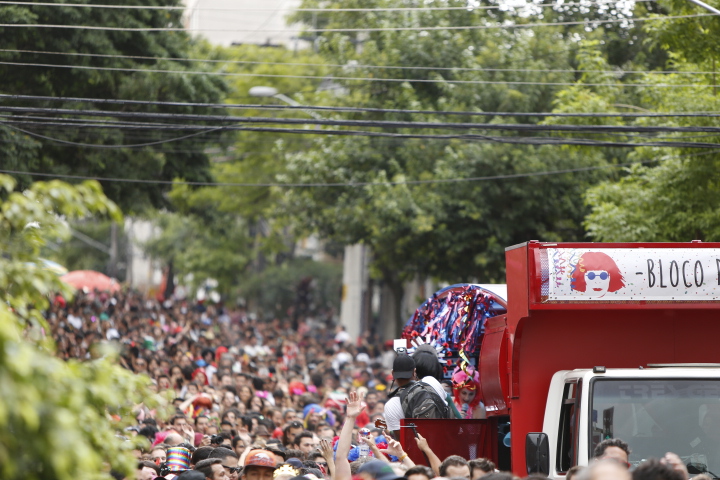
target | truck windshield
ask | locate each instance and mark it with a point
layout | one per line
(655, 416)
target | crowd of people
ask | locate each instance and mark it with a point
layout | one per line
(284, 400)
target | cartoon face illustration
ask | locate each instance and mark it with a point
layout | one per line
(597, 274)
(597, 282)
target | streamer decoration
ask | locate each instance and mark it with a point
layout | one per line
(453, 322)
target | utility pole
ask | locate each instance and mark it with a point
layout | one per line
(112, 270)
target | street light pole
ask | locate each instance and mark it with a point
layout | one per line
(272, 92)
(706, 6)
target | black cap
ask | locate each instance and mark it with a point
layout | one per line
(403, 366)
(379, 470)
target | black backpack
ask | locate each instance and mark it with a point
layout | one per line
(420, 400)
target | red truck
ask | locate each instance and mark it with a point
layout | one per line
(612, 340)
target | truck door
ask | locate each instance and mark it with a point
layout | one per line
(566, 452)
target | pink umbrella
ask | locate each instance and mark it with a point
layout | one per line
(90, 279)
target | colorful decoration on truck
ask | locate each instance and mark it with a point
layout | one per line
(453, 322)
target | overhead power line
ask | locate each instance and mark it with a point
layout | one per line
(363, 79)
(319, 10)
(388, 124)
(518, 140)
(131, 132)
(358, 184)
(361, 66)
(111, 101)
(100, 145)
(142, 130)
(369, 29)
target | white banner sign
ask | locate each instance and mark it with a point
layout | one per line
(621, 274)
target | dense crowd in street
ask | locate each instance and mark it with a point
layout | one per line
(285, 399)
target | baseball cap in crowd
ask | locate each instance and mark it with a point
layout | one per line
(403, 366)
(190, 475)
(363, 357)
(378, 470)
(295, 462)
(260, 458)
(262, 431)
(312, 473)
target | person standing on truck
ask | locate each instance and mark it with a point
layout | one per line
(428, 368)
(614, 449)
(404, 374)
(466, 386)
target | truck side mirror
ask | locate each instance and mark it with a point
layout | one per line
(537, 453)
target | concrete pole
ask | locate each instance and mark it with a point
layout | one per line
(113, 249)
(354, 288)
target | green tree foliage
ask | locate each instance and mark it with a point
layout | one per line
(79, 253)
(29, 218)
(692, 39)
(251, 157)
(300, 287)
(673, 195)
(54, 415)
(223, 231)
(458, 230)
(97, 76)
(210, 245)
(18, 150)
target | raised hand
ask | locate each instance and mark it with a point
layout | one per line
(355, 405)
(188, 432)
(422, 442)
(673, 461)
(394, 448)
(326, 449)
(377, 453)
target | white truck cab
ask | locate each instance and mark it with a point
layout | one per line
(658, 409)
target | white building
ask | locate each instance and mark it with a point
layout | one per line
(258, 22)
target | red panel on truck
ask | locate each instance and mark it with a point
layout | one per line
(470, 439)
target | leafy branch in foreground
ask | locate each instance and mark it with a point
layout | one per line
(58, 420)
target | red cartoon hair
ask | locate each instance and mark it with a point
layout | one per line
(590, 261)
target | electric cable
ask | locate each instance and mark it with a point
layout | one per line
(585, 129)
(391, 124)
(362, 79)
(467, 137)
(140, 130)
(368, 29)
(359, 65)
(98, 145)
(112, 101)
(316, 10)
(357, 184)
(131, 133)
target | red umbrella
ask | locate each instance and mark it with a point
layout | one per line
(90, 279)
